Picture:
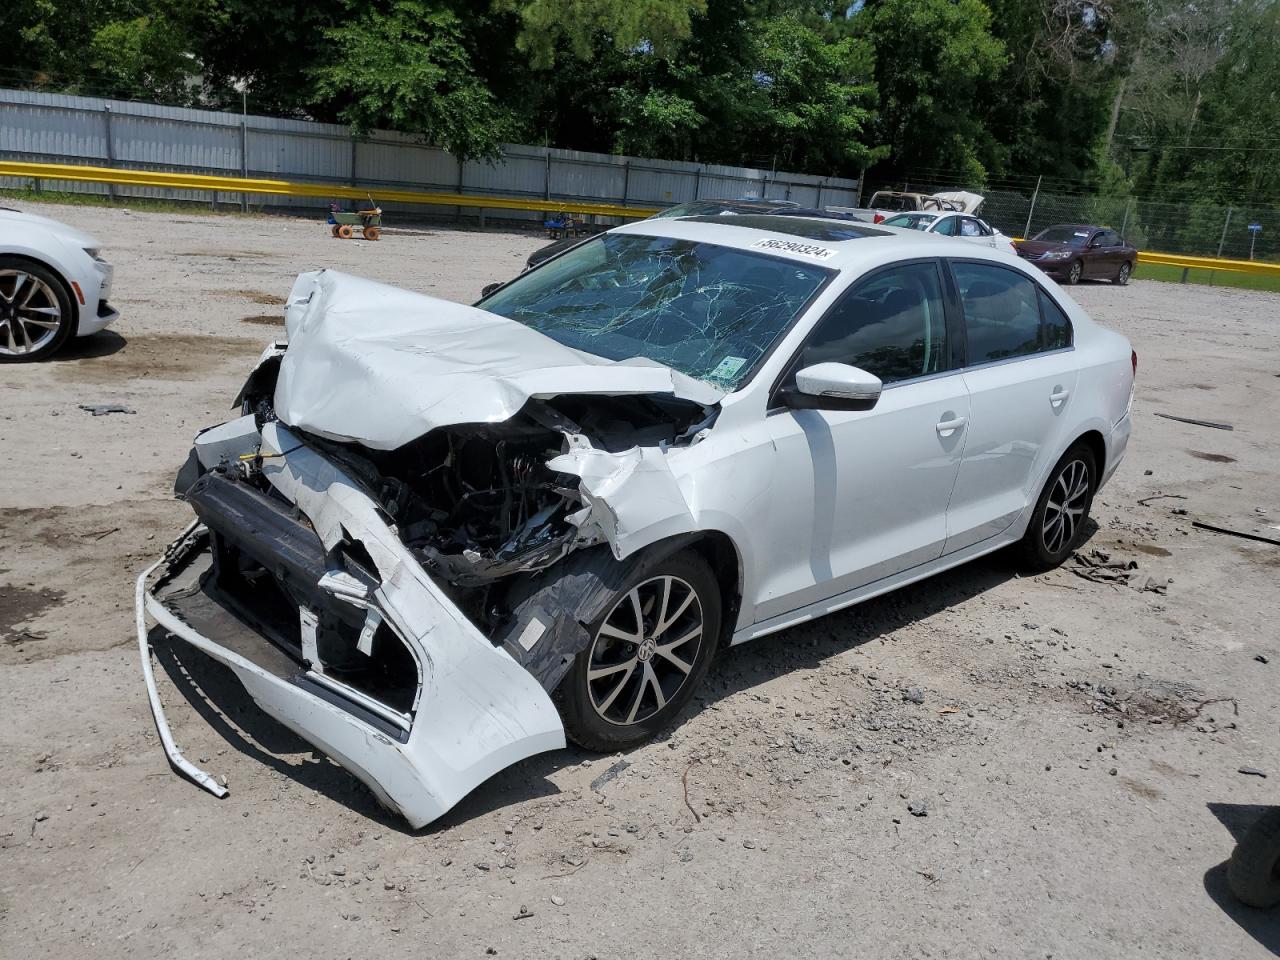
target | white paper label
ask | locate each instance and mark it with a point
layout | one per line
(795, 246)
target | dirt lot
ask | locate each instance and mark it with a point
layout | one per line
(1077, 747)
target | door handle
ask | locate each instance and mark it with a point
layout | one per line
(1058, 397)
(946, 428)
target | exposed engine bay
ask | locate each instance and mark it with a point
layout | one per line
(479, 502)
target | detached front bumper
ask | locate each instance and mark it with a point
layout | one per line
(421, 727)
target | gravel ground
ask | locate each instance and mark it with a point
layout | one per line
(1075, 749)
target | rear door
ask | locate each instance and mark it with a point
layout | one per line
(1020, 371)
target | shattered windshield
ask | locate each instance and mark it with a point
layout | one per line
(707, 311)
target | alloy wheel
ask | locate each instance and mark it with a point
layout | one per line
(644, 650)
(1124, 274)
(29, 313)
(1064, 509)
(1076, 272)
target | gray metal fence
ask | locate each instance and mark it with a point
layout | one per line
(61, 128)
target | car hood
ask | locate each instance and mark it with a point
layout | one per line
(17, 220)
(1034, 248)
(380, 366)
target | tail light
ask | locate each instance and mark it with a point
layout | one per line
(878, 218)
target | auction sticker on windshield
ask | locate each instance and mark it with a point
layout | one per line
(792, 246)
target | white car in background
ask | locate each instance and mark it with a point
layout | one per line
(53, 286)
(962, 225)
(440, 538)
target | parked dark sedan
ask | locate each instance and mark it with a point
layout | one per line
(1071, 252)
(694, 208)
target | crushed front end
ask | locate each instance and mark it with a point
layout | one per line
(363, 589)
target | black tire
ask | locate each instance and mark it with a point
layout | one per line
(585, 705)
(1041, 547)
(1253, 873)
(1122, 276)
(1074, 273)
(17, 326)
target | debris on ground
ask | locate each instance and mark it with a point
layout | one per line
(609, 774)
(102, 409)
(1252, 772)
(1198, 423)
(1235, 533)
(1098, 567)
(918, 808)
(914, 695)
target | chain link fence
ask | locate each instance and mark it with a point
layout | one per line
(1196, 228)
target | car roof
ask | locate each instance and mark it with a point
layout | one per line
(835, 244)
(1071, 226)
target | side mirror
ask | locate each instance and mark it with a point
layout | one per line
(488, 288)
(833, 386)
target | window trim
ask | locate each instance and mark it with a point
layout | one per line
(790, 367)
(963, 339)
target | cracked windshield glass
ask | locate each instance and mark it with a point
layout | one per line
(707, 311)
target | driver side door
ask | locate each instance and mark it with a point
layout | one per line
(861, 495)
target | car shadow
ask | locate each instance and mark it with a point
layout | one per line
(1262, 925)
(214, 692)
(101, 344)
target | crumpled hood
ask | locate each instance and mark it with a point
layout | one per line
(381, 366)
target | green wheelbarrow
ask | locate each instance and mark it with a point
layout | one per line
(343, 223)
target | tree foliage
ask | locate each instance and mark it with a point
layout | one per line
(1159, 96)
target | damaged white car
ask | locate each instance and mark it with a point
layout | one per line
(439, 538)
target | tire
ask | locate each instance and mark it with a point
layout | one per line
(1253, 873)
(371, 233)
(1053, 531)
(602, 715)
(333, 231)
(1122, 278)
(345, 232)
(1074, 273)
(36, 313)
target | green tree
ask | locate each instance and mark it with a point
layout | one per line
(931, 60)
(580, 25)
(407, 68)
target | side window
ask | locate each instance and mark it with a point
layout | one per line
(892, 325)
(1057, 327)
(983, 229)
(970, 228)
(1001, 312)
(947, 227)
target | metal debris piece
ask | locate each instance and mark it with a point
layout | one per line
(1161, 496)
(1252, 772)
(102, 409)
(1198, 423)
(609, 774)
(1235, 533)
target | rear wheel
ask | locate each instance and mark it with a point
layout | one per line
(1074, 273)
(371, 233)
(36, 316)
(1122, 278)
(649, 652)
(1059, 518)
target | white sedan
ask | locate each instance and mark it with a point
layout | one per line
(442, 538)
(962, 225)
(53, 286)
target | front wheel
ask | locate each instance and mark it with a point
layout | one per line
(649, 651)
(36, 315)
(1074, 274)
(1122, 278)
(1059, 518)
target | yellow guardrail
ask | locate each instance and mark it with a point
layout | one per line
(1210, 263)
(290, 188)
